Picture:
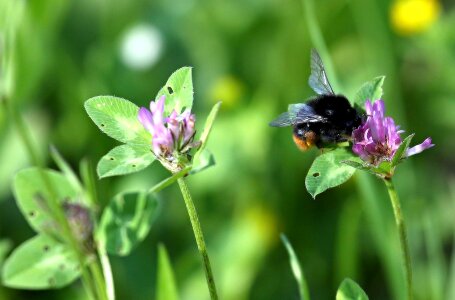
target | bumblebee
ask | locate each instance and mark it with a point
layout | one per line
(324, 120)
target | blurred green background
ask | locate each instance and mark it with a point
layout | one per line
(254, 56)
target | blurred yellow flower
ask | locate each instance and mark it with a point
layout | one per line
(227, 89)
(413, 16)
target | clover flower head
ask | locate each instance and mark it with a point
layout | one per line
(80, 222)
(378, 138)
(170, 134)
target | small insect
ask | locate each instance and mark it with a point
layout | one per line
(324, 120)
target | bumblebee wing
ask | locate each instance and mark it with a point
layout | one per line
(318, 79)
(297, 113)
(304, 113)
(283, 120)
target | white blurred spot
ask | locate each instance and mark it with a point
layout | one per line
(141, 47)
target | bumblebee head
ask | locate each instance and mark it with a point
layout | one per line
(304, 140)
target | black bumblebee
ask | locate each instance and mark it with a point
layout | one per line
(324, 120)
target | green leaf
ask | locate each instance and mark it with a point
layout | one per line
(328, 171)
(178, 91)
(5, 247)
(371, 90)
(40, 263)
(126, 222)
(384, 168)
(203, 161)
(123, 160)
(401, 151)
(117, 118)
(350, 290)
(357, 165)
(166, 288)
(208, 125)
(32, 195)
(296, 269)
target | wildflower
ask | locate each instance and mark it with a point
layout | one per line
(378, 138)
(171, 135)
(413, 16)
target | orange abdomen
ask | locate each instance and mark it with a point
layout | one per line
(305, 143)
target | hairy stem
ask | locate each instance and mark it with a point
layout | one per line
(199, 237)
(402, 233)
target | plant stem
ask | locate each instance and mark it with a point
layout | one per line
(199, 237)
(107, 272)
(99, 280)
(402, 233)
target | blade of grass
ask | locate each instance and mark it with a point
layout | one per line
(296, 269)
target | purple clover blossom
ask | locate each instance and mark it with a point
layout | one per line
(170, 134)
(378, 138)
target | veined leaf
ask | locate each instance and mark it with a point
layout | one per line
(126, 222)
(401, 151)
(118, 118)
(328, 171)
(32, 196)
(40, 263)
(371, 90)
(178, 91)
(124, 159)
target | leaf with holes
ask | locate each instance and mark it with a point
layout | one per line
(371, 90)
(401, 151)
(350, 290)
(178, 91)
(126, 222)
(123, 160)
(32, 194)
(40, 263)
(117, 118)
(328, 171)
(166, 288)
(203, 161)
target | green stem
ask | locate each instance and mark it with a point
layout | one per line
(99, 280)
(107, 272)
(199, 237)
(106, 283)
(402, 233)
(55, 207)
